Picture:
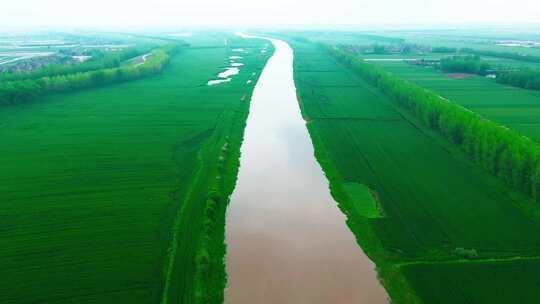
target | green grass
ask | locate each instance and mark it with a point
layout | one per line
(434, 201)
(513, 107)
(94, 180)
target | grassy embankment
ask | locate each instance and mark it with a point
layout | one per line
(436, 209)
(95, 181)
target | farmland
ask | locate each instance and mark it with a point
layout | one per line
(120, 153)
(104, 200)
(507, 281)
(437, 207)
(513, 107)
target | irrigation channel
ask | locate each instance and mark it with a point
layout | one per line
(287, 241)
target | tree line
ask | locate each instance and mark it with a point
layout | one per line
(507, 55)
(524, 78)
(502, 152)
(19, 91)
(443, 49)
(99, 60)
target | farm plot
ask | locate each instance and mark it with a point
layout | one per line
(434, 202)
(94, 180)
(504, 281)
(514, 107)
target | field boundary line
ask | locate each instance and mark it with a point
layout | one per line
(471, 261)
(173, 243)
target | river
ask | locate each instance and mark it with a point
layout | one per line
(287, 241)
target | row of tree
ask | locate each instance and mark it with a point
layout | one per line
(99, 60)
(464, 64)
(507, 55)
(524, 78)
(19, 91)
(207, 261)
(443, 49)
(502, 152)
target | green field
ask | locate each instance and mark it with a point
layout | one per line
(508, 281)
(513, 107)
(434, 201)
(98, 183)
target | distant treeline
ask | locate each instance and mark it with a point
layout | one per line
(464, 64)
(504, 153)
(19, 91)
(380, 38)
(524, 78)
(507, 55)
(443, 49)
(99, 60)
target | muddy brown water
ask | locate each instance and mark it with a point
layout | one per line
(287, 241)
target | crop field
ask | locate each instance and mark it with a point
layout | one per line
(514, 107)
(104, 183)
(508, 281)
(436, 206)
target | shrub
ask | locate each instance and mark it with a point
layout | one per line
(466, 253)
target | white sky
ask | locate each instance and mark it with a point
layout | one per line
(125, 13)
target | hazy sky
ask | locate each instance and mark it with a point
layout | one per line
(255, 12)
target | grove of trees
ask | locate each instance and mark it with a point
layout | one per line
(502, 152)
(464, 64)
